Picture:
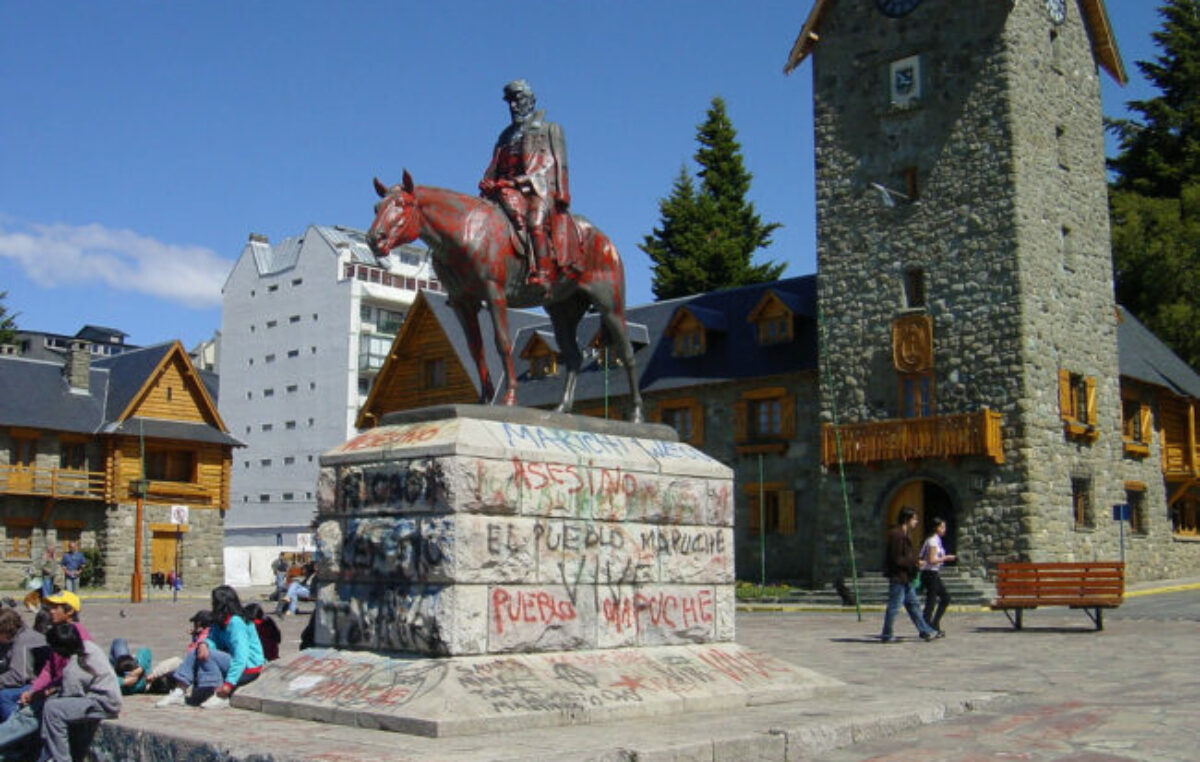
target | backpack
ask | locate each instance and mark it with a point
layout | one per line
(269, 636)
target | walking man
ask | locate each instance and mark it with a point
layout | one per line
(900, 567)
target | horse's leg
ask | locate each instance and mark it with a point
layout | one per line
(468, 318)
(565, 317)
(497, 304)
(614, 320)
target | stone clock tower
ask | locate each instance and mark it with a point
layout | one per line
(968, 344)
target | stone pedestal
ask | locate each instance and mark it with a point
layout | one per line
(477, 530)
(571, 568)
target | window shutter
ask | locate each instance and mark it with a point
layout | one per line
(740, 430)
(753, 527)
(1090, 382)
(787, 416)
(1065, 405)
(697, 423)
(1144, 422)
(787, 512)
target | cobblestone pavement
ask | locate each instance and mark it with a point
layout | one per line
(1069, 693)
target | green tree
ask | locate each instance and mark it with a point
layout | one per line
(1160, 152)
(1154, 195)
(707, 235)
(8, 324)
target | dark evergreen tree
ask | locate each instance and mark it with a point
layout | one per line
(707, 236)
(8, 324)
(1154, 195)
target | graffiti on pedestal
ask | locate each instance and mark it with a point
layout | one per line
(403, 618)
(396, 485)
(349, 683)
(409, 549)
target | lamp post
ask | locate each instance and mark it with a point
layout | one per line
(139, 487)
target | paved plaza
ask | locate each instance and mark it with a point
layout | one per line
(1057, 690)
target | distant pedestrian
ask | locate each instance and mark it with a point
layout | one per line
(900, 566)
(280, 566)
(933, 555)
(72, 564)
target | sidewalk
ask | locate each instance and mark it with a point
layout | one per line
(1057, 690)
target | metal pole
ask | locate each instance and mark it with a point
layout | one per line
(762, 528)
(135, 580)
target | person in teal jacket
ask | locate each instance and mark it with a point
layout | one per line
(235, 635)
(230, 649)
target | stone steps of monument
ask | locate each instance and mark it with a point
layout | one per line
(964, 590)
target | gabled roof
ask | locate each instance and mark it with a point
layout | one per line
(35, 394)
(1142, 356)
(1095, 18)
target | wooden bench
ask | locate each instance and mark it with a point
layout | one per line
(1090, 585)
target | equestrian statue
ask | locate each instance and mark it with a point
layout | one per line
(516, 245)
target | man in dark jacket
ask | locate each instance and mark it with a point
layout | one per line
(900, 568)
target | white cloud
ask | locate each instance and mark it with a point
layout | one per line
(60, 255)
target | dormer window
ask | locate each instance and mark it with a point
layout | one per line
(541, 351)
(689, 343)
(542, 366)
(773, 319)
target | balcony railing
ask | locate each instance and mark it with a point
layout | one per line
(51, 482)
(940, 436)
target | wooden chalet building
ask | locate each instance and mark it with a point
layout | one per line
(81, 440)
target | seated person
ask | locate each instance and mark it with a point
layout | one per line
(299, 587)
(232, 648)
(88, 690)
(132, 671)
(23, 652)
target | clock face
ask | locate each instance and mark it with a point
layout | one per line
(898, 8)
(1057, 9)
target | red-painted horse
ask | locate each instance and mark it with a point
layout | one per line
(476, 257)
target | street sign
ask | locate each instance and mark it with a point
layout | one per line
(179, 514)
(1122, 512)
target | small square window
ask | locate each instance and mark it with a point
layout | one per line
(272, 323)
(267, 427)
(293, 353)
(269, 358)
(294, 319)
(273, 288)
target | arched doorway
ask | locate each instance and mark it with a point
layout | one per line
(930, 502)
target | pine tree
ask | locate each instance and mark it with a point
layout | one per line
(8, 324)
(1154, 197)
(707, 236)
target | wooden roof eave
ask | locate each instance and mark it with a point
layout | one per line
(807, 39)
(1095, 17)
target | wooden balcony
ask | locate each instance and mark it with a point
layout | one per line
(939, 436)
(58, 483)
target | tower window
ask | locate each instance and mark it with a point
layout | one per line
(1081, 502)
(911, 187)
(1060, 143)
(914, 287)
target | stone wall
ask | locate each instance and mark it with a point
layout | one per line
(202, 563)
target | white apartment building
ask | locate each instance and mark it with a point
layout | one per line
(305, 326)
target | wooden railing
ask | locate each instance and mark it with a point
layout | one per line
(51, 482)
(940, 436)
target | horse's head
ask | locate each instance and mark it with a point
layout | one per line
(396, 217)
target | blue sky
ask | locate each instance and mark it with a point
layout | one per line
(142, 142)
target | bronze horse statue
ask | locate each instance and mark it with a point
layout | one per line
(476, 256)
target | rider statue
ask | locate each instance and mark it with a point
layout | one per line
(528, 179)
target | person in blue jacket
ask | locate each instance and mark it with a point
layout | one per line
(232, 645)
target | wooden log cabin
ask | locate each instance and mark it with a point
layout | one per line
(82, 440)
